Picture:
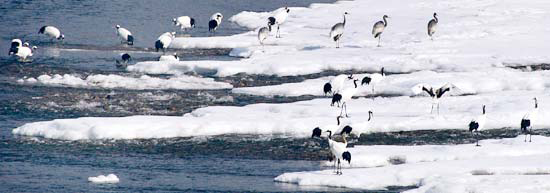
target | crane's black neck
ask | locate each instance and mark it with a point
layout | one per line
(484, 109)
(536, 104)
(355, 83)
(385, 21)
(435, 17)
(344, 23)
(382, 72)
(370, 116)
(338, 120)
(329, 134)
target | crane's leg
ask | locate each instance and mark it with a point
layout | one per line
(339, 169)
(334, 167)
(530, 130)
(477, 138)
(437, 108)
(345, 105)
(342, 108)
(278, 33)
(432, 111)
(379, 36)
(525, 133)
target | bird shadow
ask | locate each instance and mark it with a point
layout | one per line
(310, 48)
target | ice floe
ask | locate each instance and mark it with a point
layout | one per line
(101, 179)
(117, 81)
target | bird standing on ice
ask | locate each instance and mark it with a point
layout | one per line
(164, 41)
(436, 94)
(432, 26)
(278, 19)
(374, 79)
(25, 51)
(477, 124)
(215, 22)
(526, 125)
(124, 35)
(337, 31)
(173, 57)
(15, 45)
(336, 84)
(263, 33)
(344, 96)
(52, 32)
(378, 28)
(184, 22)
(339, 150)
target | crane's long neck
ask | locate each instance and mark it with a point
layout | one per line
(385, 22)
(436, 20)
(483, 110)
(355, 83)
(344, 23)
(329, 134)
(536, 104)
(370, 116)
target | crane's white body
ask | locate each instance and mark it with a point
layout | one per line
(338, 83)
(173, 57)
(52, 32)
(215, 17)
(263, 33)
(337, 31)
(123, 33)
(166, 39)
(347, 94)
(184, 22)
(280, 17)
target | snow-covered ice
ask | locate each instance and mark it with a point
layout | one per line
(496, 80)
(473, 35)
(101, 179)
(443, 168)
(117, 81)
(505, 109)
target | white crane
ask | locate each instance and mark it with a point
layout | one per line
(278, 19)
(25, 51)
(526, 125)
(337, 31)
(215, 22)
(374, 79)
(477, 124)
(52, 32)
(340, 151)
(173, 57)
(336, 84)
(184, 22)
(15, 45)
(263, 33)
(164, 41)
(432, 26)
(344, 96)
(379, 27)
(124, 35)
(436, 94)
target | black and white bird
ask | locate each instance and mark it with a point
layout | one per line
(436, 94)
(184, 22)
(263, 33)
(477, 124)
(124, 35)
(379, 27)
(432, 26)
(374, 79)
(25, 51)
(528, 118)
(336, 84)
(344, 96)
(52, 32)
(125, 58)
(164, 41)
(215, 22)
(340, 151)
(278, 19)
(337, 31)
(15, 45)
(173, 57)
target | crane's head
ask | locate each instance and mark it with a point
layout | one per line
(346, 13)
(117, 26)
(435, 14)
(61, 37)
(287, 9)
(26, 44)
(174, 20)
(350, 77)
(386, 17)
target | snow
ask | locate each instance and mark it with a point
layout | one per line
(496, 80)
(117, 81)
(101, 179)
(473, 35)
(489, 168)
(504, 109)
